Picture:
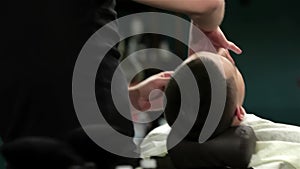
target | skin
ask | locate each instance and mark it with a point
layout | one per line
(207, 15)
(139, 94)
(221, 43)
(231, 70)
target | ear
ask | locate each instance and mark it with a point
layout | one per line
(240, 113)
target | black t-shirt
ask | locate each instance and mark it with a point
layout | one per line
(41, 40)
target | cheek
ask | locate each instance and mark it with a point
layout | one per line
(241, 90)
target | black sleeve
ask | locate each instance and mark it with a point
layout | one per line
(39, 152)
(232, 149)
(37, 76)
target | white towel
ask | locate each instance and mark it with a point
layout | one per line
(266, 130)
(278, 146)
(284, 154)
(155, 144)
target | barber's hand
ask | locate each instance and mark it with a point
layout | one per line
(225, 53)
(219, 40)
(140, 93)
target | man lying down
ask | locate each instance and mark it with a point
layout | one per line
(233, 144)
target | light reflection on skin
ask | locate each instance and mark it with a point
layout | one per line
(232, 71)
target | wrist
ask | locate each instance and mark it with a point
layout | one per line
(134, 95)
(205, 28)
(209, 31)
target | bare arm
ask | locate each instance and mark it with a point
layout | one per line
(207, 14)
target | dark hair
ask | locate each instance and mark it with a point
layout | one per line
(202, 78)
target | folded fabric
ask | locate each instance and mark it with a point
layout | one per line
(274, 165)
(155, 143)
(285, 154)
(267, 130)
(278, 145)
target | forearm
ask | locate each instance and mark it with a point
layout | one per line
(208, 14)
(134, 96)
(210, 21)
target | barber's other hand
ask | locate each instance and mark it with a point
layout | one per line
(219, 40)
(140, 94)
(225, 53)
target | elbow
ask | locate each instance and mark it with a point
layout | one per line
(210, 7)
(216, 5)
(211, 16)
(217, 11)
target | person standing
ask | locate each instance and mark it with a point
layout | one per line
(42, 40)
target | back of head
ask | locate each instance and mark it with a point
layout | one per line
(197, 65)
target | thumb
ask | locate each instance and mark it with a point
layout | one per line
(161, 83)
(225, 53)
(166, 74)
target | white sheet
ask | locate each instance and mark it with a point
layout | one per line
(278, 146)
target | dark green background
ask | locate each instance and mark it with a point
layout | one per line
(268, 33)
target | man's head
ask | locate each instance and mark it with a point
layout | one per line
(230, 76)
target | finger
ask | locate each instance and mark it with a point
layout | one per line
(144, 105)
(222, 52)
(155, 95)
(228, 56)
(225, 53)
(161, 83)
(157, 104)
(234, 48)
(166, 74)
